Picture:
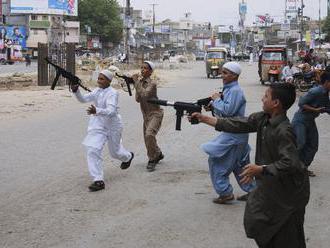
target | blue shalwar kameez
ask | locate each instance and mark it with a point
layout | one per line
(228, 152)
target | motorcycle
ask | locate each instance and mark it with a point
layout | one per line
(304, 81)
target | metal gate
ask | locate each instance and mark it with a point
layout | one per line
(62, 55)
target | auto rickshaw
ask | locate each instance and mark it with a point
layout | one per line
(214, 59)
(273, 59)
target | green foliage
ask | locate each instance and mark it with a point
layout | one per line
(326, 27)
(103, 16)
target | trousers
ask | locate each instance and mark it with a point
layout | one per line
(94, 154)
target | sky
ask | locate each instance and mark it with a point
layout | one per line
(222, 11)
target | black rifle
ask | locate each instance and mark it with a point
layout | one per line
(128, 81)
(204, 102)
(73, 80)
(181, 108)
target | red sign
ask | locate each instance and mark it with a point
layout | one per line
(1, 10)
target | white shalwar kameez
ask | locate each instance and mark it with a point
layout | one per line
(104, 126)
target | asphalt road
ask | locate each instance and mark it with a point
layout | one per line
(44, 179)
(19, 67)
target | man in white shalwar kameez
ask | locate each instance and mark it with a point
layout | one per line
(105, 126)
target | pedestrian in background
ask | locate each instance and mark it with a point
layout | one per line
(311, 105)
(152, 114)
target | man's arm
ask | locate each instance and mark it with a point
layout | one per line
(231, 124)
(229, 106)
(89, 97)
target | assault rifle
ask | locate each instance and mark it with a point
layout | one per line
(181, 108)
(73, 79)
(128, 81)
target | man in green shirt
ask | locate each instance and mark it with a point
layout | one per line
(274, 213)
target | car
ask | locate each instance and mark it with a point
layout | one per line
(200, 55)
(241, 56)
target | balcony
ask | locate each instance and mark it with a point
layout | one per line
(39, 24)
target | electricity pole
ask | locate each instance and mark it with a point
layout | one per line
(301, 13)
(127, 24)
(320, 24)
(153, 24)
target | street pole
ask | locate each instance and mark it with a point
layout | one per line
(320, 24)
(302, 24)
(153, 24)
(127, 19)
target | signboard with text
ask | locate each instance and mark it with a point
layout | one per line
(56, 7)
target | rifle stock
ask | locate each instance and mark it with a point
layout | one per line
(128, 81)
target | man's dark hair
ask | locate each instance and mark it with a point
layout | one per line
(285, 93)
(325, 77)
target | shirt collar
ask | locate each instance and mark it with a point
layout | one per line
(275, 121)
(231, 84)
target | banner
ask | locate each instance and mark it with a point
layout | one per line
(55, 7)
(13, 35)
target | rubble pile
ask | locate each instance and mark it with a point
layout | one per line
(18, 80)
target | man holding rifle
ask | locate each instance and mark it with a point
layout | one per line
(146, 89)
(228, 152)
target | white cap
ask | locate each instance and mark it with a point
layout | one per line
(233, 67)
(107, 74)
(151, 65)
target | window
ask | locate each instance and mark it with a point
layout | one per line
(35, 31)
(34, 17)
(45, 18)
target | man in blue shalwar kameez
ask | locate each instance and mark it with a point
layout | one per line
(228, 152)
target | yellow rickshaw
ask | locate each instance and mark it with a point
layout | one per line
(214, 59)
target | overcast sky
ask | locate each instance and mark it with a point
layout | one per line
(222, 11)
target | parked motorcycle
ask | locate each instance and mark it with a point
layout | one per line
(304, 81)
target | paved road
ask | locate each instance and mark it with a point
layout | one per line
(43, 180)
(18, 67)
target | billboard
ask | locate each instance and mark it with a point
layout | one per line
(13, 35)
(291, 6)
(55, 7)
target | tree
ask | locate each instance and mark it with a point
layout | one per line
(326, 27)
(103, 16)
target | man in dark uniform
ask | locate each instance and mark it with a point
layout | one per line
(274, 213)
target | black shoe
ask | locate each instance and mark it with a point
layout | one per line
(243, 197)
(125, 165)
(224, 199)
(151, 166)
(96, 186)
(160, 157)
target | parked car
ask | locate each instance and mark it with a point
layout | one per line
(200, 55)
(241, 56)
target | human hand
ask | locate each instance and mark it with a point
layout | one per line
(91, 110)
(320, 110)
(249, 172)
(208, 107)
(74, 87)
(216, 95)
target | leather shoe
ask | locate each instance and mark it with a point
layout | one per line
(243, 197)
(96, 186)
(223, 199)
(125, 165)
